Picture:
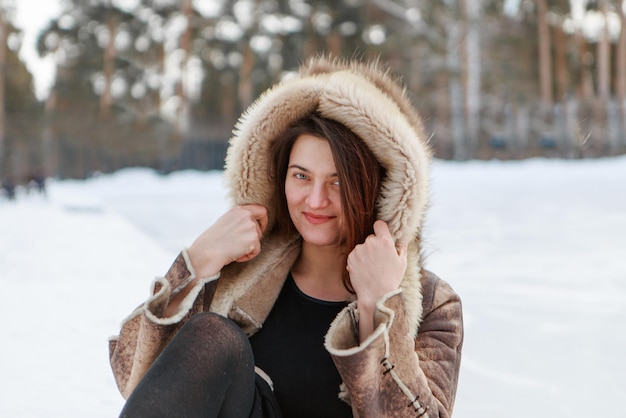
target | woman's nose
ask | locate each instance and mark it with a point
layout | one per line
(318, 198)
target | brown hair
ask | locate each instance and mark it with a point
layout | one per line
(360, 176)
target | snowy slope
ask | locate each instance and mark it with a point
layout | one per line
(535, 248)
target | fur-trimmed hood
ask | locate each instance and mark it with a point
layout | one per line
(370, 102)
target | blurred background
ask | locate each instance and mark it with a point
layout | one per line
(160, 83)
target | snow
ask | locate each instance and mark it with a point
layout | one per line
(535, 249)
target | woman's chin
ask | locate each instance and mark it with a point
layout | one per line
(321, 240)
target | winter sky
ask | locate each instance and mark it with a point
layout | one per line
(32, 16)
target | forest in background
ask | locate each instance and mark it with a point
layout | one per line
(160, 83)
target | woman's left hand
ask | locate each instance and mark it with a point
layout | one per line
(376, 268)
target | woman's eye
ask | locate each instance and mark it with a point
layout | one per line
(300, 176)
(335, 183)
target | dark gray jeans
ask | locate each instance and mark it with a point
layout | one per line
(207, 370)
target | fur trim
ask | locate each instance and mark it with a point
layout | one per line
(264, 376)
(366, 99)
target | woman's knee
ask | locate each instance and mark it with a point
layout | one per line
(212, 328)
(209, 321)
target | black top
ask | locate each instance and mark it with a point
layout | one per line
(290, 349)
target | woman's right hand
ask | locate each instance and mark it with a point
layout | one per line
(235, 236)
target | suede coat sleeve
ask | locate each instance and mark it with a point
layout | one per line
(146, 331)
(393, 374)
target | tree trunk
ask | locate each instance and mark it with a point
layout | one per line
(3, 65)
(245, 87)
(161, 71)
(620, 82)
(185, 44)
(585, 87)
(545, 62)
(106, 99)
(334, 44)
(560, 64)
(604, 58)
(49, 155)
(455, 88)
(473, 10)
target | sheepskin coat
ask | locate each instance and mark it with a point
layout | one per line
(409, 365)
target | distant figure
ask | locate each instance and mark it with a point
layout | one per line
(37, 182)
(8, 186)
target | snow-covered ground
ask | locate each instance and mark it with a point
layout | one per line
(536, 249)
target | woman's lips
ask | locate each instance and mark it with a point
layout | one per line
(317, 219)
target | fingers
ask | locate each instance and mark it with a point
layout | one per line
(259, 214)
(253, 251)
(402, 247)
(377, 266)
(381, 230)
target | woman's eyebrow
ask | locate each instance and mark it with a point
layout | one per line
(299, 167)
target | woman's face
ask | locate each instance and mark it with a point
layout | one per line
(312, 191)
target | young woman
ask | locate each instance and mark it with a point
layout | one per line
(308, 297)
